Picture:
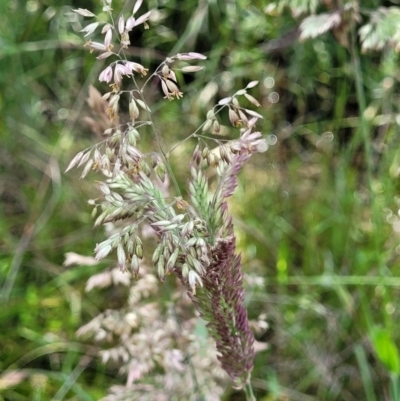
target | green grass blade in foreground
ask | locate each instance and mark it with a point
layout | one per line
(365, 373)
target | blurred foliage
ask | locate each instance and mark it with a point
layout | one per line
(317, 216)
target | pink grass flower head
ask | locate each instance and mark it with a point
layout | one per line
(170, 89)
(136, 67)
(119, 71)
(121, 24)
(201, 250)
(142, 19)
(95, 46)
(130, 23)
(106, 75)
(190, 56)
(108, 39)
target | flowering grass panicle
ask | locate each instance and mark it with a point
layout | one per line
(195, 236)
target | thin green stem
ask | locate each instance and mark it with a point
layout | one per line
(330, 281)
(193, 134)
(364, 129)
(249, 392)
(366, 138)
(365, 373)
(158, 140)
(395, 387)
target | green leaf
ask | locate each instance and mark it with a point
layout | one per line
(297, 7)
(382, 29)
(385, 349)
(316, 25)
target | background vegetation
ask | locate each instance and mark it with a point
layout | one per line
(317, 216)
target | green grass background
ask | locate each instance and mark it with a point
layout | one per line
(317, 216)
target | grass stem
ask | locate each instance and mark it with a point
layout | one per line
(249, 392)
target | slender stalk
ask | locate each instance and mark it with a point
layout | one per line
(366, 138)
(364, 129)
(395, 387)
(167, 164)
(330, 281)
(249, 392)
(195, 133)
(365, 373)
